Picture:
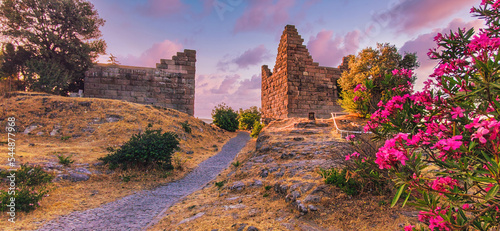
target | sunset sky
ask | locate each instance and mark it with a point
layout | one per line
(233, 38)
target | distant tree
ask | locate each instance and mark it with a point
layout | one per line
(225, 117)
(248, 117)
(369, 77)
(113, 60)
(52, 42)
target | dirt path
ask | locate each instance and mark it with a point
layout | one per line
(137, 211)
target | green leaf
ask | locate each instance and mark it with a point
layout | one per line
(398, 194)
(493, 192)
(407, 197)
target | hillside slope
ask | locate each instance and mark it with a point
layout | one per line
(83, 129)
(275, 185)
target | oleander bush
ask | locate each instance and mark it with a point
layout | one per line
(442, 144)
(150, 148)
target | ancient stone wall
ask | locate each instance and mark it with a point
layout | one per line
(171, 84)
(298, 85)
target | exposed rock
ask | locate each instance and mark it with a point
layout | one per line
(83, 170)
(113, 118)
(192, 218)
(238, 206)
(238, 185)
(264, 173)
(312, 198)
(298, 138)
(189, 152)
(39, 133)
(30, 129)
(312, 208)
(257, 183)
(252, 228)
(55, 130)
(75, 177)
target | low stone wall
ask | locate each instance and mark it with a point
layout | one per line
(171, 84)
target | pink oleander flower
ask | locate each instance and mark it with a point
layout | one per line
(442, 184)
(452, 144)
(409, 227)
(347, 157)
(392, 153)
(360, 87)
(355, 154)
(488, 187)
(356, 98)
(480, 134)
(350, 137)
(436, 222)
(457, 112)
(466, 206)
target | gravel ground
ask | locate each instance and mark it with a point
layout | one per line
(142, 209)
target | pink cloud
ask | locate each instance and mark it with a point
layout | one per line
(162, 8)
(411, 15)
(253, 56)
(328, 50)
(226, 85)
(149, 58)
(261, 14)
(424, 42)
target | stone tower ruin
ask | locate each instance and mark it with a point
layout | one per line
(297, 85)
(171, 84)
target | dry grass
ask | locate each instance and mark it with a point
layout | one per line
(76, 117)
(266, 209)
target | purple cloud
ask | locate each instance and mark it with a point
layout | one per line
(329, 50)
(253, 56)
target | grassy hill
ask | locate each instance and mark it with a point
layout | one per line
(83, 128)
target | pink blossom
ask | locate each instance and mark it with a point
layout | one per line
(465, 206)
(488, 187)
(409, 227)
(457, 112)
(441, 184)
(347, 157)
(356, 98)
(480, 134)
(359, 87)
(350, 137)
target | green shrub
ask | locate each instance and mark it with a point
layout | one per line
(66, 161)
(225, 117)
(186, 126)
(144, 149)
(236, 164)
(26, 199)
(257, 127)
(339, 178)
(30, 188)
(248, 117)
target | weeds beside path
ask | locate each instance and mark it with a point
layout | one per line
(137, 211)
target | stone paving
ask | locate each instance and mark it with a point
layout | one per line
(142, 209)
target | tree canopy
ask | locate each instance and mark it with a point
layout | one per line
(369, 69)
(51, 42)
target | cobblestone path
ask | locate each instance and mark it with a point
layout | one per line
(137, 211)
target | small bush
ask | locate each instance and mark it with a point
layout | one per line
(64, 138)
(30, 188)
(144, 149)
(225, 117)
(248, 117)
(32, 176)
(257, 127)
(66, 161)
(178, 162)
(236, 164)
(186, 126)
(220, 184)
(339, 178)
(26, 199)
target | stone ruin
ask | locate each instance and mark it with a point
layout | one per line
(298, 86)
(171, 84)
